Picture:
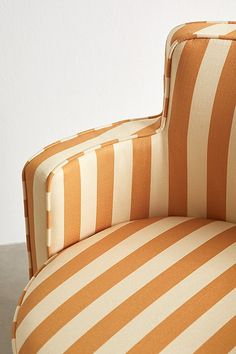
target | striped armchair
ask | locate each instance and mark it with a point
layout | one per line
(131, 228)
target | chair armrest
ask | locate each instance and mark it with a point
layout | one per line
(81, 185)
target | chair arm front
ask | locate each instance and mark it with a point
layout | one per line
(82, 185)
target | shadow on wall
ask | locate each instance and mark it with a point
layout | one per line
(13, 278)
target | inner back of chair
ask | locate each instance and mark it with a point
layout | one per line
(197, 147)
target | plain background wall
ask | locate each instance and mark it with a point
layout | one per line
(70, 65)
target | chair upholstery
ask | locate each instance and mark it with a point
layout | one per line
(131, 228)
(77, 187)
(144, 274)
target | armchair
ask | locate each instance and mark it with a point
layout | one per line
(131, 228)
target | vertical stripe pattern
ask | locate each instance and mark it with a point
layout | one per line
(146, 167)
(72, 201)
(219, 136)
(199, 124)
(98, 175)
(188, 68)
(157, 196)
(88, 176)
(200, 127)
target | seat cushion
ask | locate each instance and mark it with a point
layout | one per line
(146, 286)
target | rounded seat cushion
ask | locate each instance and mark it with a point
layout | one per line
(147, 286)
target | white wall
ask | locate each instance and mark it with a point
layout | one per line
(69, 65)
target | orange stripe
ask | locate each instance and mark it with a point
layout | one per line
(108, 279)
(187, 72)
(30, 241)
(30, 270)
(49, 219)
(27, 232)
(141, 178)
(105, 181)
(110, 142)
(185, 315)
(30, 169)
(223, 341)
(167, 68)
(79, 262)
(72, 201)
(230, 35)
(166, 105)
(13, 330)
(25, 208)
(219, 135)
(149, 130)
(78, 302)
(188, 30)
(136, 303)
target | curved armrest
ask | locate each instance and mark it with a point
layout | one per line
(81, 185)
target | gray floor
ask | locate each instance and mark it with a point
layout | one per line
(13, 278)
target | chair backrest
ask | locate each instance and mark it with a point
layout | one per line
(197, 147)
(134, 169)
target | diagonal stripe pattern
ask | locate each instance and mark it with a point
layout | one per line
(126, 289)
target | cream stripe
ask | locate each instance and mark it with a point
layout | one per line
(154, 175)
(92, 314)
(218, 30)
(90, 272)
(88, 175)
(166, 85)
(231, 174)
(176, 55)
(142, 324)
(233, 351)
(48, 201)
(162, 179)
(204, 327)
(44, 169)
(13, 344)
(169, 38)
(123, 163)
(199, 123)
(57, 211)
(67, 255)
